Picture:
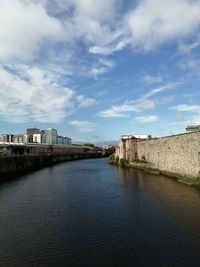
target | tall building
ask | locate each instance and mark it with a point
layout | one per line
(51, 136)
(30, 132)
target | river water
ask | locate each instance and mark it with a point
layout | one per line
(89, 213)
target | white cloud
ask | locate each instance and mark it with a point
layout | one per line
(99, 24)
(93, 20)
(152, 79)
(35, 97)
(187, 108)
(83, 126)
(193, 64)
(146, 104)
(138, 105)
(104, 65)
(125, 109)
(150, 24)
(187, 48)
(154, 22)
(98, 10)
(115, 45)
(95, 72)
(27, 26)
(158, 90)
(197, 121)
(24, 27)
(192, 110)
(167, 99)
(107, 63)
(100, 50)
(119, 111)
(84, 102)
(112, 113)
(146, 119)
(34, 94)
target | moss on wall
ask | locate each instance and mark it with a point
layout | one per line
(16, 165)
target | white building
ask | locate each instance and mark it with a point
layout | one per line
(39, 138)
(18, 138)
(67, 140)
(6, 138)
(25, 139)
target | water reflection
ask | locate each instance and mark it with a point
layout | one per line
(89, 213)
(177, 200)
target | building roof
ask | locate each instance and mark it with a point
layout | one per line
(137, 136)
(193, 127)
(141, 136)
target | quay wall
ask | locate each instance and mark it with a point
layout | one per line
(12, 166)
(178, 154)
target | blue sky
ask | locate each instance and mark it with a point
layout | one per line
(97, 69)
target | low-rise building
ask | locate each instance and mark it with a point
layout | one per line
(39, 138)
(67, 140)
(25, 139)
(63, 140)
(59, 140)
(8, 138)
(18, 138)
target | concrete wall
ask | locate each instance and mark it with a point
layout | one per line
(178, 154)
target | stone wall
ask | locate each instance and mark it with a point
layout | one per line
(178, 154)
(120, 151)
(127, 149)
(131, 149)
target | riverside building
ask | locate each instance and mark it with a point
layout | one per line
(34, 135)
(51, 136)
(6, 138)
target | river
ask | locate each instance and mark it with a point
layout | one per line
(90, 213)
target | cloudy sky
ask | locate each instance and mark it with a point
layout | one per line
(97, 69)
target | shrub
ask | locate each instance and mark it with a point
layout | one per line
(112, 158)
(124, 162)
(117, 160)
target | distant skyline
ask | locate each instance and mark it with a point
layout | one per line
(95, 70)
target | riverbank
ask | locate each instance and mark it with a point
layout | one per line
(149, 168)
(17, 165)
